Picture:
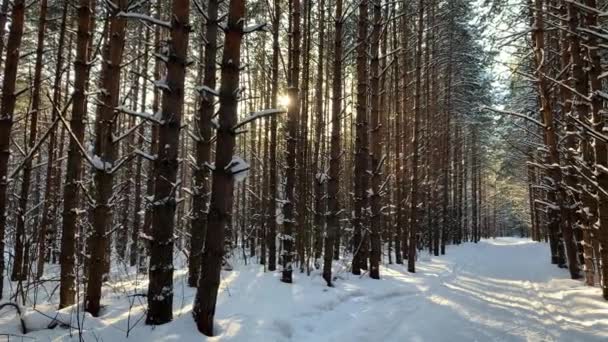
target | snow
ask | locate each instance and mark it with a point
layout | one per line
(99, 164)
(156, 117)
(145, 155)
(239, 168)
(215, 123)
(253, 28)
(162, 84)
(206, 90)
(143, 17)
(257, 115)
(497, 290)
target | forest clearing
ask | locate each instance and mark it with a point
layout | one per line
(499, 290)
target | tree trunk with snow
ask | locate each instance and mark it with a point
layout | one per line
(376, 157)
(287, 238)
(223, 174)
(333, 183)
(203, 146)
(21, 265)
(601, 147)
(7, 108)
(71, 192)
(166, 166)
(361, 176)
(319, 177)
(104, 158)
(50, 191)
(273, 176)
(411, 257)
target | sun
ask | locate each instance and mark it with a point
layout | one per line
(284, 100)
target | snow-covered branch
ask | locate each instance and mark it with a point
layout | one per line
(257, 115)
(204, 90)
(238, 167)
(146, 116)
(145, 155)
(146, 18)
(254, 28)
(118, 138)
(523, 116)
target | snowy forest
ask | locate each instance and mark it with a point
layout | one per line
(304, 170)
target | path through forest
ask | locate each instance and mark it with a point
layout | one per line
(498, 290)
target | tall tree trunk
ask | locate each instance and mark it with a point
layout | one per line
(571, 53)
(160, 288)
(400, 223)
(20, 267)
(557, 212)
(411, 258)
(292, 131)
(50, 193)
(135, 252)
(447, 212)
(7, 108)
(127, 203)
(154, 144)
(203, 146)
(361, 177)
(74, 164)
(474, 184)
(458, 160)
(320, 177)
(301, 190)
(601, 147)
(406, 136)
(273, 177)
(223, 177)
(333, 185)
(105, 150)
(376, 157)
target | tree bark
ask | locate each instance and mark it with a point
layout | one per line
(7, 107)
(203, 146)
(411, 258)
(333, 185)
(361, 177)
(273, 177)
(223, 177)
(71, 192)
(376, 157)
(52, 177)
(20, 267)
(105, 150)
(293, 82)
(557, 212)
(319, 217)
(160, 288)
(601, 147)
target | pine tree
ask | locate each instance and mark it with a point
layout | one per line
(7, 108)
(166, 165)
(223, 174)
(74, 163)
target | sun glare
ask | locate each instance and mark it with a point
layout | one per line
(284, 100)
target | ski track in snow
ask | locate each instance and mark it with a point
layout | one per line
(497, 290)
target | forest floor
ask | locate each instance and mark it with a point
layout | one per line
(497, 290)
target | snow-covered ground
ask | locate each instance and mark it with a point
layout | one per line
(497, 290)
